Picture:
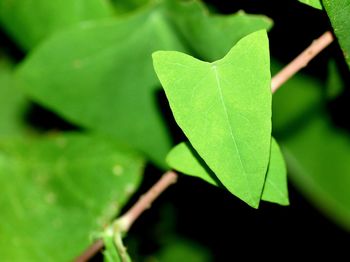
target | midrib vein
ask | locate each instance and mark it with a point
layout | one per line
(218, 84)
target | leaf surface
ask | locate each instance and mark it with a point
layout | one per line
(224, 112)
(30, 21)
(210, 36)
(57, 191)
(108, 85)
(125, 6)
(339, 12)
(180, 249)
(275, 188)
(184, 158)
(12, 102)
(313, 3)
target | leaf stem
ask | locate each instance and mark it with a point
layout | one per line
(170, 177)
(301, 60)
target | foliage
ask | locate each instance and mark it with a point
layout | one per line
(64, 185)
(338, 12)
(314, 3)
(226, 116)
(90, 62)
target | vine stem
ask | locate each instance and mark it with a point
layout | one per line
(170, 177)
(146, 200)
(301, 60)
(90, 251)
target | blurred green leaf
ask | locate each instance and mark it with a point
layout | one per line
(125, 6)
(339, 12)
(211, 36)
(226, 117)
(57, 191)
(109, 84)
(313, 3)
(29, 21)
(176, 250)
(288, 117)
(335, 85)
(317, 153)
(319, 158)
(12, 102)
(185, 159)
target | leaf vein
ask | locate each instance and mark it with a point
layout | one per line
(227, 117)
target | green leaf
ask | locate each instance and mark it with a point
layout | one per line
(57, 191)
(178, 249)
(211, 36)
(125, 6)
(319, 159)
(313, 3)
(12, 102)
(224, 112)
(275, 188)
(108, 85)
(317, 153)
(29, 21)
(185, 159)
(307, 95)
(335, 85)
(338, 12)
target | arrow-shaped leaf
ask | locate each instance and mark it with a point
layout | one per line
(224, 111)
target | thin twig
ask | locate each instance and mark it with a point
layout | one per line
(170, 177)
(301, 60)
(146, 200)
(91, 251)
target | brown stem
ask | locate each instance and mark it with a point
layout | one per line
(146, 200)
(301, 60)
(91, 251)
(170, 177)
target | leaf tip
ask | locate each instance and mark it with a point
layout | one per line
(157, 55)
(254, 203)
